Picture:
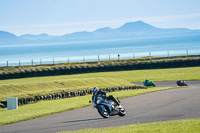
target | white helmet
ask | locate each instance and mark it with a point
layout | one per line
(95, 90)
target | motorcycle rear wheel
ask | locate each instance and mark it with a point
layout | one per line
(103, 111)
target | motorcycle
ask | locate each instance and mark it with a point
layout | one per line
(149, 83)
(107, 108)
(181, 83)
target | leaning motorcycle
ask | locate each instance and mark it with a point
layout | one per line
(182, 83)
(107, 108)
(149, 83)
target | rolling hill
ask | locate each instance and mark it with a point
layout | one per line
(137, 29)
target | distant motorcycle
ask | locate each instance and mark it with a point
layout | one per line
(108, 108)
(181, 83)
(149, 83)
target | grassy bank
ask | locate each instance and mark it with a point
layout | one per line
(186, 73)
(50, 84)
(43, 108)
(181, 126)
(27, 89)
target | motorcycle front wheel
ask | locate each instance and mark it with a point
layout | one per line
(103, 111)
(122, 112)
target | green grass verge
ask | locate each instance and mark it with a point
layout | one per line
(186, 73)
(43, 108)
(181, 126)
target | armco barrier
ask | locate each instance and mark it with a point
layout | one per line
(63, 94)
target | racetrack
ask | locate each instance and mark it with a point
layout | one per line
(173, 104)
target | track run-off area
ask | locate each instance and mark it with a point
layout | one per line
(167, 105)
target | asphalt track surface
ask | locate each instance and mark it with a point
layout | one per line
(166, 105)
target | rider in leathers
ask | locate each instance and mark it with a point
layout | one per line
(97, 93)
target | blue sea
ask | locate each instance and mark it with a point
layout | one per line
(80, 51)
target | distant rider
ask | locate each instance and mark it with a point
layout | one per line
(97, 93)
(146, 82)
(178, 82)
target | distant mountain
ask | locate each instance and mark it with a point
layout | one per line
(76, 35)
(103, 30)
(137, 29)
(35, 37)
(137, 26)
(6, 35)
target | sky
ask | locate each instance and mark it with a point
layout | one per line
(59, 17)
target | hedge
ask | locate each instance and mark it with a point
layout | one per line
(89, 67)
